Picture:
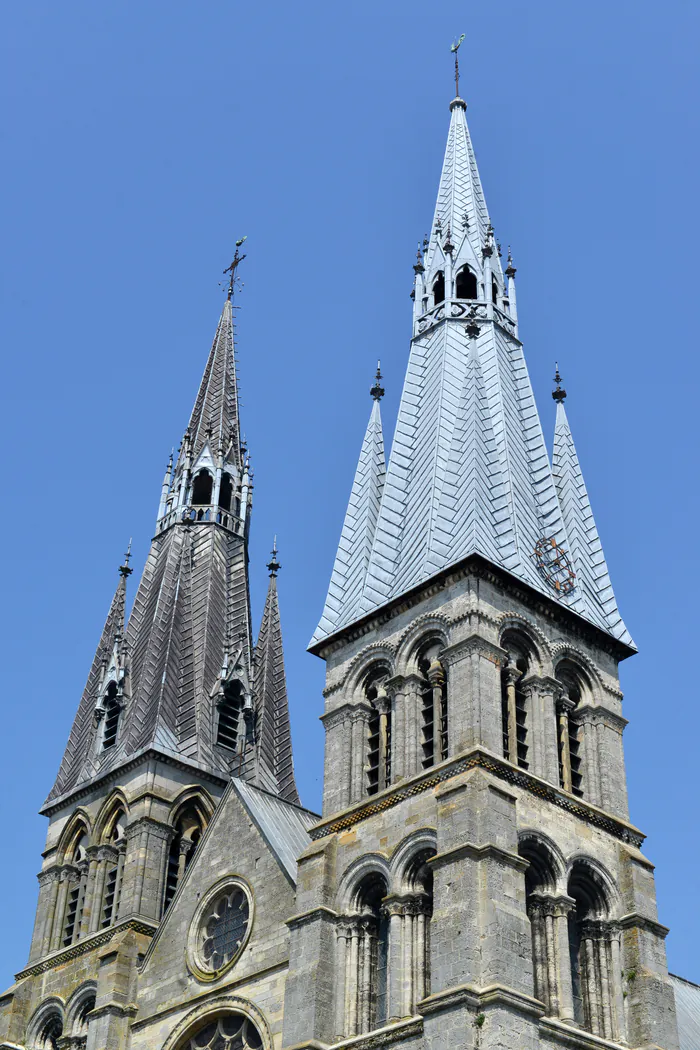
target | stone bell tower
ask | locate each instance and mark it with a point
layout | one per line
(475, 880)
(177, 702)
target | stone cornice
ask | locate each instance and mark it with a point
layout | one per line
(474, 643)
(600, 716)
(488, 850)
(87, 944)
(575, 1038)
(116, 773)
(385, 1036)
(634, 921)
(475, 565)
(338, 715)
(303, 918)
(475, 998)
(478, 758)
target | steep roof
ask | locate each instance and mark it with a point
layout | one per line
(687, 1011)
(283, 825)
(469, 471)
(189, 634)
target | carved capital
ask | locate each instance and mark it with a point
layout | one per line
(512, 673)
(49, 876)
(106, 852)
(474, 643)
(565, 705)
(436, 674)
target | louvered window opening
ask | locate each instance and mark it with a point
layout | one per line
(504, 718)
(72, 914)
(171, 874)
(111, 897)
(575, 758)
(521, 728)
(373, 754)
(229, 718)
(112, 712)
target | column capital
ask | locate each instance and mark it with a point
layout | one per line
(564, 704)
(49, 875)
(400, 682)
(512, 673)
(550, 904)
(473, 643)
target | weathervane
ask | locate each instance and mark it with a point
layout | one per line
(455, 48)
(237, 260)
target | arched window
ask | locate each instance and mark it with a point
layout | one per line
(434, 740)
(439, 288)
(80, 1025)
(189, 827)
(114, 870)
(112, 711)
(378, 733)
(201, 488)
(594, 950)
(366, 958)
(416, 909)
(466, 286)
(514, 701)
(546, 912)
(494, 291)
(230, 707)
(76, 893)
(50, 1032)
(569, 731)
(226, 492)
(231, 1031)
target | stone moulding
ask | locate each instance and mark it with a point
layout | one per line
(475, 998)
(88, 944)
(393, 1033)
(480, 759)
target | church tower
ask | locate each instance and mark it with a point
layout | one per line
(177, 703)
(475, 880)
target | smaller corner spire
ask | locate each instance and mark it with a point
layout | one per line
(231, 270)
(377, 390)
(418, 264)
(510, 269)
(273, 566)
(125, 570)
(558, 394)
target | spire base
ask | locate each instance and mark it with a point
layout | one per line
(458, 103)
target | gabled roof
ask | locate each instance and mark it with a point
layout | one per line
(469, 471)
(284, 826)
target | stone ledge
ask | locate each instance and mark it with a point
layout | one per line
(305, 917)
(391, 1033)
(479, 758)
(565, 1035)
(634, 921)
(469, 849)
(115, 1010)
(476, 998)
(87, 944)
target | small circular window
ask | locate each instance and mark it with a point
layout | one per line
(220, 928)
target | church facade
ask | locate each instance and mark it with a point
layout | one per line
(474, 880)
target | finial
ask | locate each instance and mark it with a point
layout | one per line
(377, 390)
(125, 569)
(426, 243)
(455, 49)
(237, 260)
(510, 269)
(448, 246)
(473, 327)
(465, 221)
(273, 565)
(559, 395)
(418, 264)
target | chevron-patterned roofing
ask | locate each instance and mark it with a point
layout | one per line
(350, 568)
(189, 629)
(584, 541)
(469, 471)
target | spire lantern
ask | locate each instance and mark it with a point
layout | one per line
(273, 565)
(377, 390)
(558, 394)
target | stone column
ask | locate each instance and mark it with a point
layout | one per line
(343, 941)
(60, 912)
(512, 674)
(384, 708)
(352, 980)
(83, 880)
(413, 686)
(394, 908)
(436, 677)
(562, 906)
(589, 745)
(338, 724)
(360, 721)
(89, 905)
(564, 708)
(398, 729)
(49, 882)
(591, 976)
(474, 693)
(535, 911)
(618, 1002)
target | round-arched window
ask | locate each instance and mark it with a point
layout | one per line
(231, 1032)
(220, 928)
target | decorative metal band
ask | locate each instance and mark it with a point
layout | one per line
(501, 769)
(87, 945)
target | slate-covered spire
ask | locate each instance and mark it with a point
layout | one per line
(469, 471)
(189, 634)
(109, 664)
(584, 542)
(276, 768)
(349, 572)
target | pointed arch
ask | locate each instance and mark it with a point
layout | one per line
(190, 815)
(202, 486)
(80, 1004)
(113, 805)
(46, 1025)
(466, 285)
(431, 627)
(79, 824)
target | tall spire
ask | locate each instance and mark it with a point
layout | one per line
(275, 752)
(189, 634)
(584, 542)
(351, 561)
(469, 471)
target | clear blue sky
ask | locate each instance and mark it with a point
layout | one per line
(141, 139)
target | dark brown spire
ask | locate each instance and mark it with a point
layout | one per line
(270, 697)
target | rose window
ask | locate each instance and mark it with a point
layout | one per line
(233, 1032)
(223, 929)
